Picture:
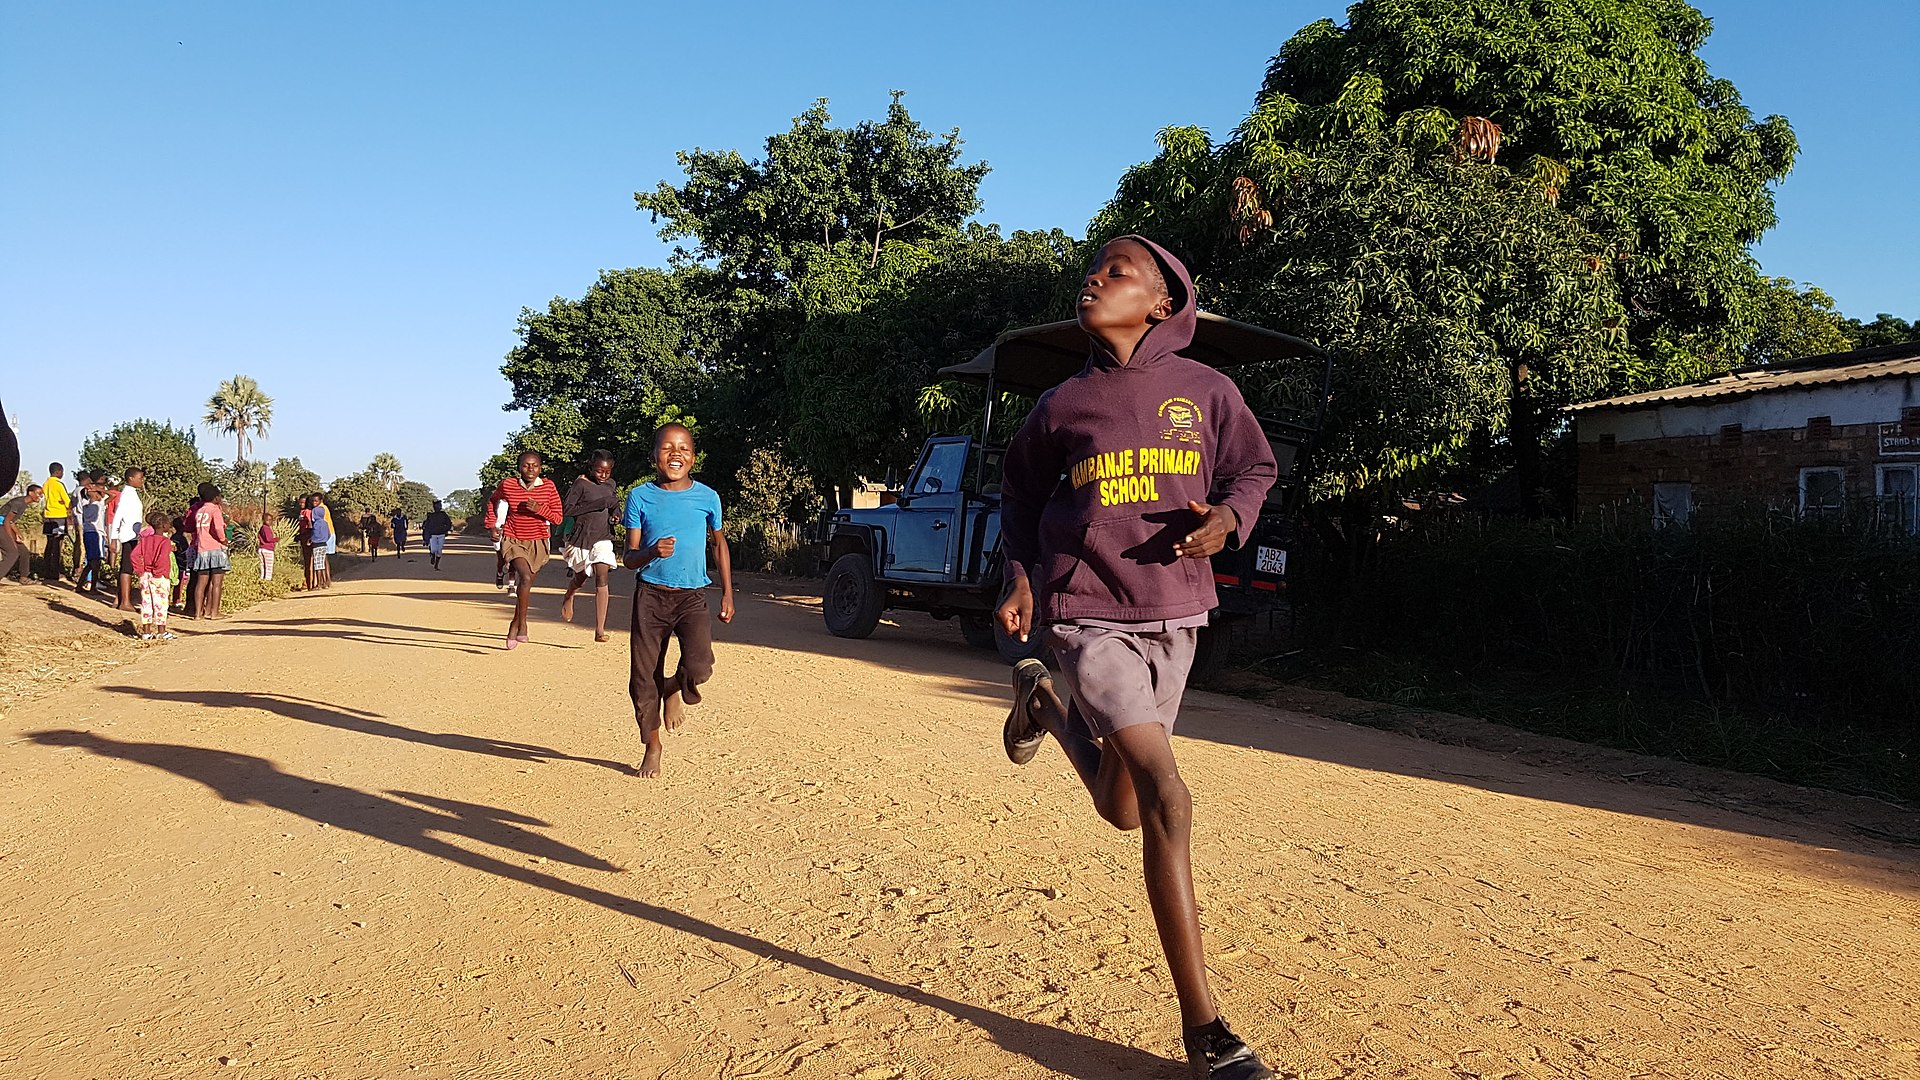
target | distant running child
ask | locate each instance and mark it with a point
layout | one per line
(533, 509)
(589, 550)
(669, 599)
(1121, 484)
(435, 528)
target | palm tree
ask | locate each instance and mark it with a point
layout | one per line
(386, 470)
(241, 410)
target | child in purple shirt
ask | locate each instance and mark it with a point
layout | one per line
(1163, 465)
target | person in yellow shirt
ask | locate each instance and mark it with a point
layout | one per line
(57, 523)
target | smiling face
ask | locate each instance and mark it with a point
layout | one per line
(673, 454)
(602, 471)
(1123, 296)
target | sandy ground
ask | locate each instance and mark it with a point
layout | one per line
(346, 835)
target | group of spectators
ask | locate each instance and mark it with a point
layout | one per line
(148, 559)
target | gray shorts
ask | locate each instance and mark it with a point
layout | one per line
(1120, 678)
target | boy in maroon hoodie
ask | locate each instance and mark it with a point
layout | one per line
(1163, 466)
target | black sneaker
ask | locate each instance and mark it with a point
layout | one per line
(1021, 735)
(1214, 1052)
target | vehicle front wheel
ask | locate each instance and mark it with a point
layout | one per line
(1210, 650)
(851, 600)
(978, 630)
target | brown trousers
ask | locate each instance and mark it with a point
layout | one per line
(660, 613)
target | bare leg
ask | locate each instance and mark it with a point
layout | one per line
(566, 602)
(219, 589)
(673, 712)
(650, 764)
(126, 593)
(202, 593)
(523, 572)
(1166, 825)
(1105, 776)
(600, 602)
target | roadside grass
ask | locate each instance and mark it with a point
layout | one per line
(1838, 756)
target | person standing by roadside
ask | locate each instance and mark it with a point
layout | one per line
(56, 522)
(182, 563)
(435, 528)
(268, 541)
(322, 542)
(210, 563)
(149, 556)
(589, 549)
(303, 535)
(13, 546)
(123, 530)
(533, 508)
(92, 512)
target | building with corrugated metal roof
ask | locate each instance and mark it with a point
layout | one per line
(1815, 435)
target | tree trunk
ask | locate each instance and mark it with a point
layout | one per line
(1523, 429)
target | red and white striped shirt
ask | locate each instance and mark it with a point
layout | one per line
(520, 524)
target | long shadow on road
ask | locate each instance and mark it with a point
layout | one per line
(346, 718)
(413, 821)
(1870, 836)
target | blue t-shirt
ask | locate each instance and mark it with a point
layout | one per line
(687, 516)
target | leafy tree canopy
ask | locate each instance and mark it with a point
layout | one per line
(461, 502)
(1791, 321)
(1883, 330)
(601, 371)
(1448, 289)
(818, 187)
(876, 335)
(1604, 106)
(175, 469)
(289, 481)
(415, 499)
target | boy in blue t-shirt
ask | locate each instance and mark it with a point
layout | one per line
(668, 600)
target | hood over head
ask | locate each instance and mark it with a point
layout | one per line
(1176, 331)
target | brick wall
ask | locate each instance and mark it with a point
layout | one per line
(1757, 466)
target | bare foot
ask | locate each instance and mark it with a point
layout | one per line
(671, 712)
(603, 636)
(650, 765)
(566, 609)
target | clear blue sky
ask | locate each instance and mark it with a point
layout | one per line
(352, 202)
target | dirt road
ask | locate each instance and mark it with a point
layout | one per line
(348, 836)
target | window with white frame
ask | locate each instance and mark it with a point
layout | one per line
(1899, 489)
(1672, 503)
(1823, 491)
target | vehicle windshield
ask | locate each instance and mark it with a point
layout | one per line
(941, 469)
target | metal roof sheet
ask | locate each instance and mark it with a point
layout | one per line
(1861, 365)
(1035, 359)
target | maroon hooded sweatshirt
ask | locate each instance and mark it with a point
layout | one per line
(1098, 478)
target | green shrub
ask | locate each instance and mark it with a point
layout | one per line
(244, 588)
(760, 548)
